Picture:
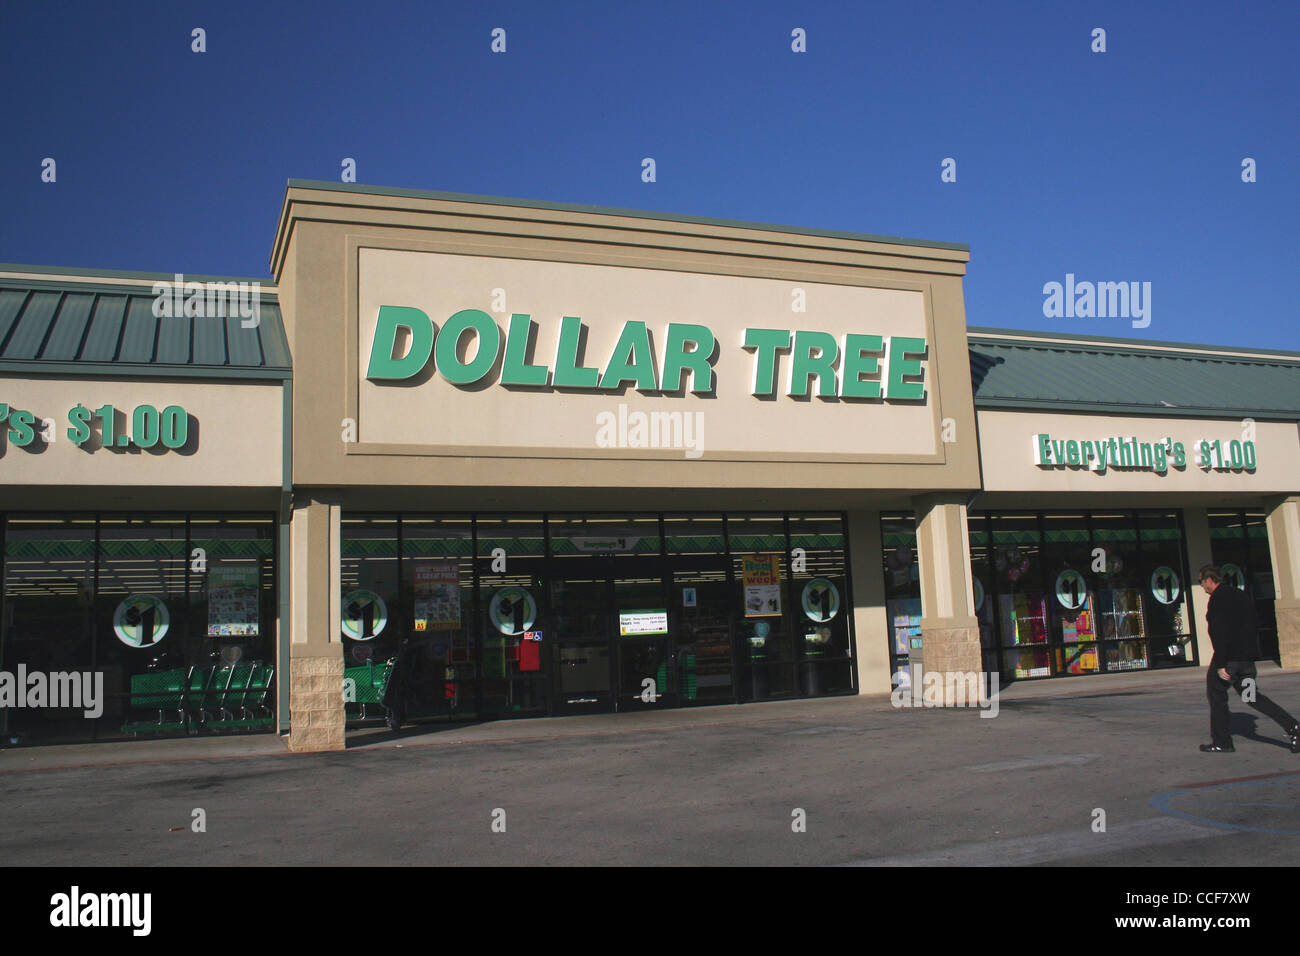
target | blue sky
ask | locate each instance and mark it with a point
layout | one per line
(1115, 166)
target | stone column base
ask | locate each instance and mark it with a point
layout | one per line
(1288, 635)
(316, 715)
(950, 650)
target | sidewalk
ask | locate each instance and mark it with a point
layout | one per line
(118, 753)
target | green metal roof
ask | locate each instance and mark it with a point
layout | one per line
(98, 328)
(1105, 376)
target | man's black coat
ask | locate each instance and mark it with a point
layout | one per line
(1231, 616)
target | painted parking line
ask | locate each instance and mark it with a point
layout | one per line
(1201, 799)
(1219, 783)
(1050, 847)
(1029, 763)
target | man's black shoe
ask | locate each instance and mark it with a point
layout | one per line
(1295, 739)
(1216, 749)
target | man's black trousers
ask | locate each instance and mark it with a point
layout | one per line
(1216, 689)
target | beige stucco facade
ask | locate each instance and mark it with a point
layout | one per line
(338, 252)
(1008, 448)
(234, 442)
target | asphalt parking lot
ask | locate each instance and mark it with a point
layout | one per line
(871, 785)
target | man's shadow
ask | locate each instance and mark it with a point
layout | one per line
(1246, 725)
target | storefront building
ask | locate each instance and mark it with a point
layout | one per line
(1111, 471)
(601, 461)
(141, 485)
(556, 459)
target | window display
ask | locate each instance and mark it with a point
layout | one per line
(904, 616)
(1123, 628)
(1080, 593)
(1024, 622)
(760, 569)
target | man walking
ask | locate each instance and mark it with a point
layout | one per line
(1231, 617)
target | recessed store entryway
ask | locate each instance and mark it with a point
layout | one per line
(613, 646)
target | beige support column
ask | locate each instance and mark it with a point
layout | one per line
(950, 634)
(1199, 554)
(870, 625)
(1283, 523)
(315, 656)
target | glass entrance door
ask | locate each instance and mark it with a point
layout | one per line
(613, 648)
(582, 668)
(644, 652)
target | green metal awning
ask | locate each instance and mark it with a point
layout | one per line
(90, 328)
(1104, 377)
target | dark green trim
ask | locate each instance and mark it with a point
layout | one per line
(1132, 346)
(285, 516)
(146, 278)
(1101, 408)
(116, 370)
(284, 633)
(614, 211)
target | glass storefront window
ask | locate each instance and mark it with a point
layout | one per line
(436, 664)
(232, 599)
(1083, 592)
(516, 614)
(373, 628)
(759, 569)
(1165, 579)
(902, 591)
(700, 607)
(141, 612)
(173, 613)
(1239, 546)
(1022, 599)
(230, 644)
(982, 598)
(512, 614)
(1067, 558)
(49, 586)
(1120, 609)
(818, 597)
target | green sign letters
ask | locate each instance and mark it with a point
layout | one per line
(852, 366)
(143, 427)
